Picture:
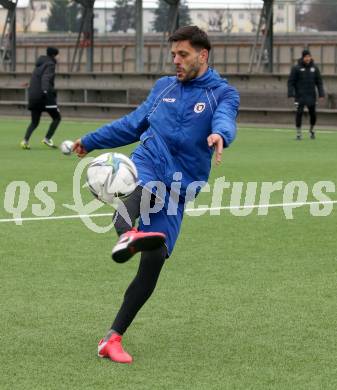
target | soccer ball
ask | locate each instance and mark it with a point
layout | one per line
(67, 147)
(111, 176)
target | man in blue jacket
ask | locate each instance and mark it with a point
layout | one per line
(183, 120)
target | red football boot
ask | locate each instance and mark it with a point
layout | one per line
(134, 241)
(113, 349)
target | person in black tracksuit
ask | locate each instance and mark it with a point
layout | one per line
(303, 80)
(42, 97)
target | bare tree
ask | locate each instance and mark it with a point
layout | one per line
(322, 15)
(215, 21)
(302, 7)
(125, 14)
(220, 21)
(29, 16)
(228, 22)
(254, 20)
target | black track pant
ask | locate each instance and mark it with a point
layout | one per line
(151, 263)
(36, 116)
(299, 114)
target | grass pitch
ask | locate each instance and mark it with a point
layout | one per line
(243, 303)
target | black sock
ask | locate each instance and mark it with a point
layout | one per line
(141, 288)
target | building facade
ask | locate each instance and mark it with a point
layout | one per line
(33, 17)
(228, 19)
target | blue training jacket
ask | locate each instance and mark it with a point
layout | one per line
(173, 125)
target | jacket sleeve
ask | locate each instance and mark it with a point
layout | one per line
(47, 77)
(47, 86)
(224, 118)
(319, 83)
(292, 82)
(125, 130)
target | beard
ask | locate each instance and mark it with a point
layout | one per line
(191, 72)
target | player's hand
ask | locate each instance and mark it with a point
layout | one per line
(79, 149)
(216, 141)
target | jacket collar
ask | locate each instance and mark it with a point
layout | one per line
(210, 79)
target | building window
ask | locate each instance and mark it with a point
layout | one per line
(96, 16)
(241, 15)
(43, 6)
(280, 6)
(44, 20)
(279, 20)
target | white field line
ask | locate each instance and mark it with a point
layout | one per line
(275, 130)
(255, 206)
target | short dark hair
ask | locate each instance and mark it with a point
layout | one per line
(198, 38)
(306, 52)
(52, 51)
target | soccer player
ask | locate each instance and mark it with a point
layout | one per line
(42, 97)
(303, 80)
(183, 120)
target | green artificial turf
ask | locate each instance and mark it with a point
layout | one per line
(243, 303)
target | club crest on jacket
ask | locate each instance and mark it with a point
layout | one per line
(199, 107)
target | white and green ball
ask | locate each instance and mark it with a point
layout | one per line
(111, 176)
(67, 147)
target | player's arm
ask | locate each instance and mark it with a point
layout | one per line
(46, 85)
(319, 83)
(224, 122)
(292, 82)
(125, 130)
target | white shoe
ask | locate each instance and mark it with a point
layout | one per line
(49, 143)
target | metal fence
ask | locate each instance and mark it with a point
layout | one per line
(230, 53)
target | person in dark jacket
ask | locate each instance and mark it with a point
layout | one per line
(42, 97)
(182, 122)
(303, 80)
